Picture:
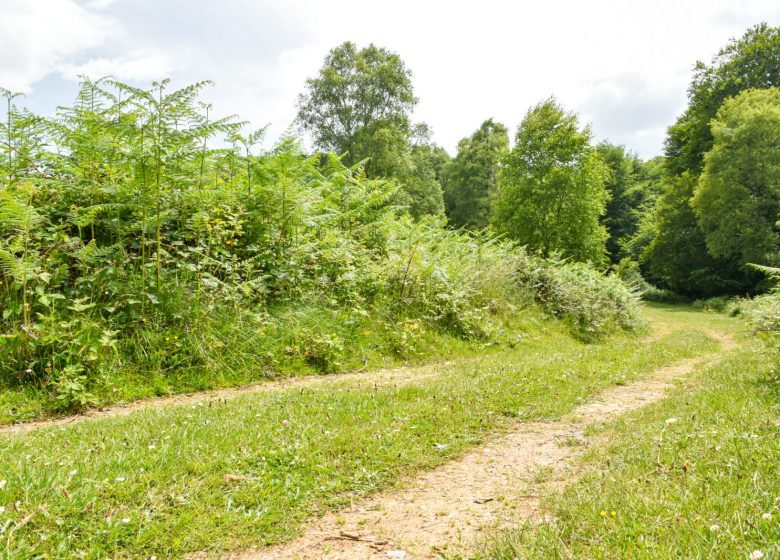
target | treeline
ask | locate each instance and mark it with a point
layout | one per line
(693, 220)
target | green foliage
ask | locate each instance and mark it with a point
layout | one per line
(752, 61)
(134, 253)
(420, 192)
(676, 255)
(593, 305)
(632, 185)
(551, 193)
(472, 176)
(673, 249)
(737, 200)
(763, 312)
(630, 273)
(359, 106)
(361, 97)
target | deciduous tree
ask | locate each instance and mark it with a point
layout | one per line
(551, 193)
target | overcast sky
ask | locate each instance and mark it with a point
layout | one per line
(623, 65)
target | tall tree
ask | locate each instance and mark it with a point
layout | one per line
(633, 186)
(473, 175)
(359, 106)
(551, 193)
(753, 61)
(675, 254)
(737, 199)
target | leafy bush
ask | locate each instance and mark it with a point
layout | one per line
(593, 304)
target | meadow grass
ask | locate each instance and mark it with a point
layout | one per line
(692, 476)
(248, 471)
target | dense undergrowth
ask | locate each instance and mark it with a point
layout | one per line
(132, 249)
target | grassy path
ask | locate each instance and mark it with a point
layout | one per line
(446, 508)
(694, 475)
(217, 476)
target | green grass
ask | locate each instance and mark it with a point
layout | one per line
(248, 472)
(693, 476)
(241, 349)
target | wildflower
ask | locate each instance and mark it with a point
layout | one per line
(756, 555)
(120, 479)
(670, 421)
(715, 528)
(603, 513)
(2, 484)
(74, 472)
(125, 520)
(2, 510)
(152, 446)
(285, 423)
(613, 513)
(767, 516)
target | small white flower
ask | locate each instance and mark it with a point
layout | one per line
(125, 520)
(715, 528)
(3, 483)
(152, 447)
(756, 555)
(74, 472)
(120, 479)
(767, 516)
(2, 510)
(670, 421)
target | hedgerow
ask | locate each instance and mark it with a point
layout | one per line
(129, 244)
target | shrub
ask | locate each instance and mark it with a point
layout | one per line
(593, 304)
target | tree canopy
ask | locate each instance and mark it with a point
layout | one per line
(753, 61)
(737, 199)
(473, 174)
(551, 193)
(676, 252)
(359, 106)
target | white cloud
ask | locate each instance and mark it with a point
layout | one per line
(136, 66)
(39, 35)
(624, 65)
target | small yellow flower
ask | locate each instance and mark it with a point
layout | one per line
(603, 513)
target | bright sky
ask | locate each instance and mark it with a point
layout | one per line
(624, 65)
